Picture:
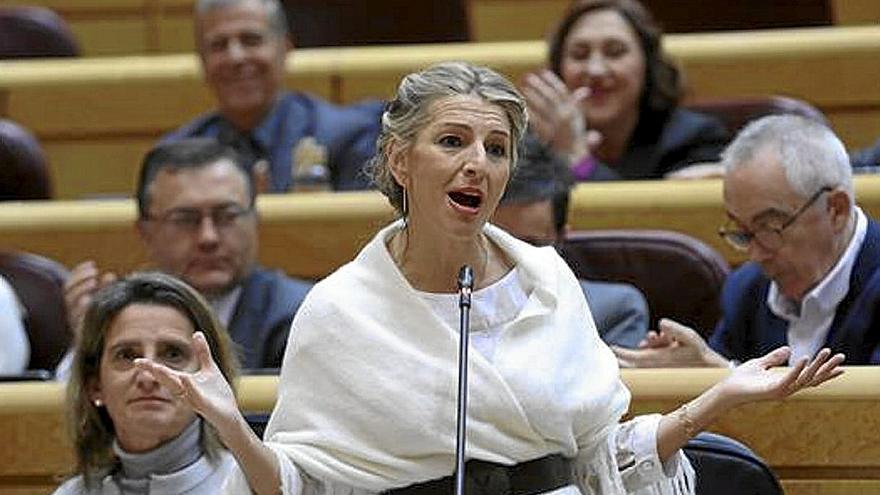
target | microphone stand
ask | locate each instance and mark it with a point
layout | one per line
(465, 287)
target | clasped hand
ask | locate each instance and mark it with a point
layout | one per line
(555, 115)
(676, 345)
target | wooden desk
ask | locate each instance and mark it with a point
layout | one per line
(125, 27)
(97, 117)
(820, 441)
(137, 27)
(310, 235)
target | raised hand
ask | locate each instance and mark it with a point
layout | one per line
(555, 115)
(674, 346)
(81, 285)
(205, 390)
(754, 380)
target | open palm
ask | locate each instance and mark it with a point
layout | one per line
(205, 390)
(755, 379)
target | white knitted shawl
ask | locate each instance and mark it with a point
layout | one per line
(367, 393)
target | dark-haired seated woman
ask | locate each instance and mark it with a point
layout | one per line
(609, 102)
(132, 435)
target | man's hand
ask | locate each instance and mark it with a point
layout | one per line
(84, 281)
(674, 346)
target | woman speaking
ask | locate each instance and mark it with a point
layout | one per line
(367, 392)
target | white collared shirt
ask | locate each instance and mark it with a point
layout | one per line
(224, 306)
(15, 351)
(810, 320)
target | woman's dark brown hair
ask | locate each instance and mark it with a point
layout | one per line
(662, 90)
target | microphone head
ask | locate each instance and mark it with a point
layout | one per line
(466, 278)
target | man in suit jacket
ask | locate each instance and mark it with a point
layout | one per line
(198, 222)
(302, 141)
(534, 208)
(813, 279)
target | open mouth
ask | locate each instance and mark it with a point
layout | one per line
(465, 199)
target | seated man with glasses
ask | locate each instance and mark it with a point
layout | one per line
(197, 221)
(534, 208)
(813, 279)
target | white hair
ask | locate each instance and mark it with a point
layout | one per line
(810, 154)
(273, 8)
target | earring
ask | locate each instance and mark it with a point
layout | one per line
(99, 403)
(405, 204)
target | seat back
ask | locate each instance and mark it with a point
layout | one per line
(24, 173)
(378, 22)
(727, 467)
(28, 32)
(39, 284)
(680, 276)
(735, 113)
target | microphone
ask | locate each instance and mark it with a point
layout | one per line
(465, 288)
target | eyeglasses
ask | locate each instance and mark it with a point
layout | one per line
(190, 219)
(768, 236)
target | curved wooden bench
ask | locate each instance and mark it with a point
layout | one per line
(310, 235)
(820, 441)
(96, 117)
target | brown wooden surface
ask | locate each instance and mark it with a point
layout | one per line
(124, 27)
(133, 27)
(310, 235)
(96, 117)
(822, 441)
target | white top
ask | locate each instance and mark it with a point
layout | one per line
(366, 397)
(224, 306)
(15, 350)
(492, 308)
(810, 320)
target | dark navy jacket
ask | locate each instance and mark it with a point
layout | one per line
(348, 132)
(663, 144)
(749, 329)
(261, 321)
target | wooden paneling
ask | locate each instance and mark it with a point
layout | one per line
(108, 109)
(133, 27)
(850, 12)
(124, 27)
(310, 235)
(821, 441)
(506, 20)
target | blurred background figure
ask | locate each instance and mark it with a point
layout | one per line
(15, 349)
(130, 433)
(609, 102)
(24, 171)
(197, 221)
(534, 208)
(299, 140)
(34, 32)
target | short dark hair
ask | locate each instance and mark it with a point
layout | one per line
(190, 153)
(663, 89)
(540, 176)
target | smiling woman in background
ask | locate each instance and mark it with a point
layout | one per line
(131, 434)
(609, 102)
